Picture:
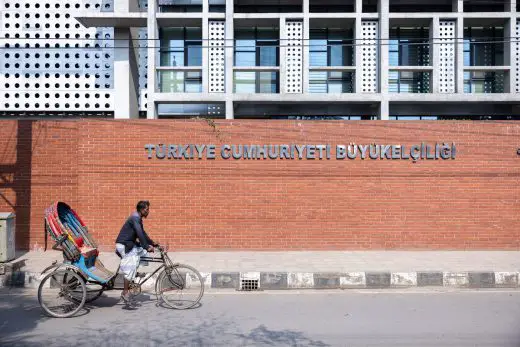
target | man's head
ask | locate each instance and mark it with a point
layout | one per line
(143, 208)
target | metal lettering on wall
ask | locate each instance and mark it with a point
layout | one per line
(302, 152)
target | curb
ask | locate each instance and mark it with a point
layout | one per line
(252, 281)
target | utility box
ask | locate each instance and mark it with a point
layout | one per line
(7, 244)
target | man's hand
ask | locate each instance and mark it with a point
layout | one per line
(150, 249)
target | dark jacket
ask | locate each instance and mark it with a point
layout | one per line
(132, 233)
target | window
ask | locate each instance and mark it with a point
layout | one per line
(256, 47)
(409, 47)
(331, 47)
(180, 5)
(409, 82)
(181, 46)
(180, 81)
(484, 81)
(191, 110)
(331, 82)
(278, 6)
(256, 82)
(483, 46)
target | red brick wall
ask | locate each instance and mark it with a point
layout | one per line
(38, 162)
(101, 169)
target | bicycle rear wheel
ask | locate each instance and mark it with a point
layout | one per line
(181, 287)
(62, 293)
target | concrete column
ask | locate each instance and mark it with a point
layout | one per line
(384, 110)
(230, 114)
(435, 54)
(459, 61)
(358, 6)
(153, 48)
(458, 6)
(384, 35)
(229, 53)
(126, 80)
(205, 46)
(510, 47)
(510, 54)
(306, 43)
(283, 53)
(358, 55)
(358, 50)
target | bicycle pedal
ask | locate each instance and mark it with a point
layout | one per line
(140, 275)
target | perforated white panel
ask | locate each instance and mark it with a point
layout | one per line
(48, 92)
(48, 61)
(216, 56)
(446, 70)
(516, 64)
(293, 57)
(369, 34)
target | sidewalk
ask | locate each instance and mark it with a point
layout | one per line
(330, 269)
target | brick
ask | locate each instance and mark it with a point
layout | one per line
(100, 168)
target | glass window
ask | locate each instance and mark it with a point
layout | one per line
(484, 46)
(193, 82)
(180, 81)
(171, 81)
(409, 81)
(340, 82)
(268, 82)
(318, 82)
(331, 82)
(245, 82)
(484, 81)
(256, 47)
(181, 47)
(409, 46)
(331, 47)
(190, 110)
(256, 82)
(194, 53)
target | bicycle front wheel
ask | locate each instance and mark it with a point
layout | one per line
(181, 287)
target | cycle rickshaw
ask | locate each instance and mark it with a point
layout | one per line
(82, 277)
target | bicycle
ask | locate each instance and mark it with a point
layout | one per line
(68, 282)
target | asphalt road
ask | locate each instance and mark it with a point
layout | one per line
(314, 318)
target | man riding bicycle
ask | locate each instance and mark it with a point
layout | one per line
(132, 243)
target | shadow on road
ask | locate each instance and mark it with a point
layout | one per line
(19, 314)
(106, 322)
(262, 336)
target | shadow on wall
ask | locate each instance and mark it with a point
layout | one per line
(17, 177)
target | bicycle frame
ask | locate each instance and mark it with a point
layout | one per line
(166, 263)
(163, 259)
(151, 260)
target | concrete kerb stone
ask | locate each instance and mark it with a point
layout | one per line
(319, 280)
(506, 280)
(353, 280)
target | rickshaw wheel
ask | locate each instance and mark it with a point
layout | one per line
(62, 293)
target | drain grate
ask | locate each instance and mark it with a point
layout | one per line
(249, 285)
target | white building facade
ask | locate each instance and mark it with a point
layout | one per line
(283, 59)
